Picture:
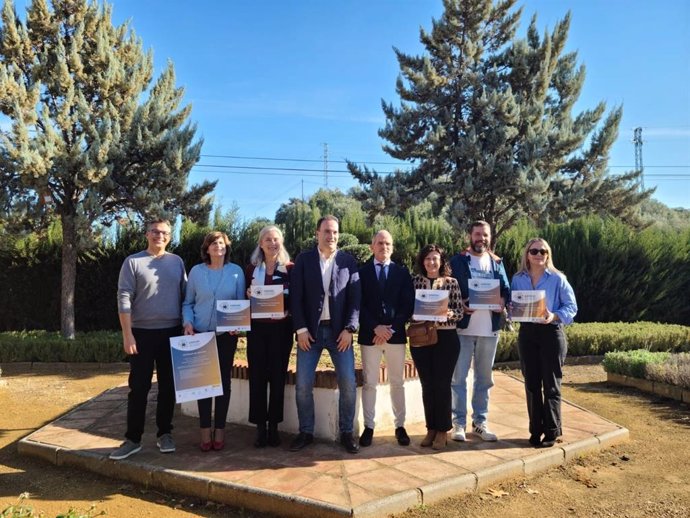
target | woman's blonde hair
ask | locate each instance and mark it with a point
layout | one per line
(257, 256)
(524, 262)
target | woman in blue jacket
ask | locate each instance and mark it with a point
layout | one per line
(214, 279)
(542, 345)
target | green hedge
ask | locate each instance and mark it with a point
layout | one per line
(583, 340)
(599, 338)
(664, 367)
(47, 346)
(632, 363)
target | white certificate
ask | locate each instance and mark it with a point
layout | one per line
(485, 294)
(431, 305)
(233, 315)
(267, 301)
(196, 371)
(527, 305)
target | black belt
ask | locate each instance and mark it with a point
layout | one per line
(325, 323)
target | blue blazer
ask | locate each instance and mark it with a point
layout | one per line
(460, 266)
(393, 308)
(307, 296)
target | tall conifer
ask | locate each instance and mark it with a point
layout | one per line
(486, 121)
(91, 138)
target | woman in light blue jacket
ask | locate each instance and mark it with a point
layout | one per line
(542, 345)
(214, 279)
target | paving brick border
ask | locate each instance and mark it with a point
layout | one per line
(650, 386)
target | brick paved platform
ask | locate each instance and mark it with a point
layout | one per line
(322, 480)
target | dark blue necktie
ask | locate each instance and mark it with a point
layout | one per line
(382, 277)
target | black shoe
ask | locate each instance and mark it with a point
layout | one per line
(260, 441)
(365, 438)
(548, 442)
(401, 436)
(273, 437)
(535, 440)
(349, 443)
(302, 440)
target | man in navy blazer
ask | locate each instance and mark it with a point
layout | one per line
(325, 297)
(387, 304)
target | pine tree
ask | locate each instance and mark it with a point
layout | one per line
(91, 137)
(485, 121)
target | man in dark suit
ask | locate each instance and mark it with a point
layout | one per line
(324, 298)
(387, 303)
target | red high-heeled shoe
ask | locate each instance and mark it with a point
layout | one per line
(218, 444)
(206, 446)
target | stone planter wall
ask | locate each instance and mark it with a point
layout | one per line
(652, 387)
(325, 401)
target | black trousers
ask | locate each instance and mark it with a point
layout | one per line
(435, 365)
(227, 346)
(542, 353)
(268, 353)
(153, 346)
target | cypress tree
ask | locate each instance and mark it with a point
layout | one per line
(91, 138)
(486, 122)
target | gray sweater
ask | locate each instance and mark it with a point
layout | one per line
(151, 289)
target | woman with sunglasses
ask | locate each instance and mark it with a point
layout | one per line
(542, 345)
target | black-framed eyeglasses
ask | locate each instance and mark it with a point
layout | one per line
(160, 233)
(535, 251)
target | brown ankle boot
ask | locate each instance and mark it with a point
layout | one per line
(440, 441)
(428, 438)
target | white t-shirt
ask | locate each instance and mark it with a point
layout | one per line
(480, 319)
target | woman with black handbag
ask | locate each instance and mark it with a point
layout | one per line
(435, 362)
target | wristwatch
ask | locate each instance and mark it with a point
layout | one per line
(352, 329)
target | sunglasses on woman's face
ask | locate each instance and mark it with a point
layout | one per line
(535, 251)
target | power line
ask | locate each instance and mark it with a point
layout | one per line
(284, 159)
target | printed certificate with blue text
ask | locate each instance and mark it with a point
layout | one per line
(485, 294)
(527, 305)
(431, 305)
(267, 301)
(196, 371)
(233, 315)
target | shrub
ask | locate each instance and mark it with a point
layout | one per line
(632, 363)
(583, 340)
(599, 338)
(47, 346)
(674, 370)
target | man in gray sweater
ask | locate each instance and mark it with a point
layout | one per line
(149, 297)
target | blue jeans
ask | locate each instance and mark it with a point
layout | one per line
(483, 350)
(344, 363)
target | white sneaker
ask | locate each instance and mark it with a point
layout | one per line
(458, 433)
(482, 431)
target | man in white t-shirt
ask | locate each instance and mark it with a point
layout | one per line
(478, 332)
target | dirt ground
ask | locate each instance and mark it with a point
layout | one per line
(646, 476)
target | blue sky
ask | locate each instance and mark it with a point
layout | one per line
(278, 79)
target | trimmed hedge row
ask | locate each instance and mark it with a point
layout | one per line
(49, 346)
(583, 340)
(664, 367)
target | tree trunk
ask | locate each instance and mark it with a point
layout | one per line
(69, 275)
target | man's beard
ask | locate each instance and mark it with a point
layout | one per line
(480, 247)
